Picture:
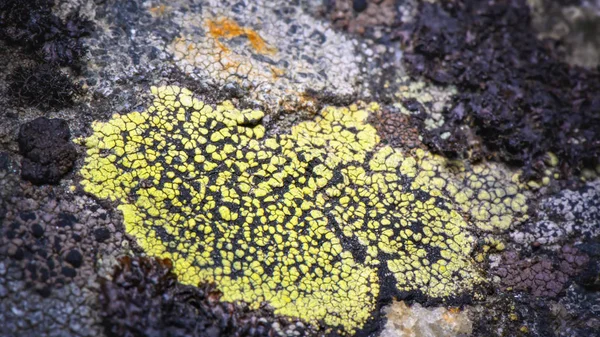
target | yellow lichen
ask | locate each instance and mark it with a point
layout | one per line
(310, 221)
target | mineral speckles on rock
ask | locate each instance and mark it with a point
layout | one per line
(416, 321)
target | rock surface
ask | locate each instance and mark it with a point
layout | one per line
(332, 168)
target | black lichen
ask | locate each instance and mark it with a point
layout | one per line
(32, 25)
(43, 86)
(515, 316)
(41, 36)
(47, 153)
(359, 5)
(74, 258)
(514, 91)
(144, 299)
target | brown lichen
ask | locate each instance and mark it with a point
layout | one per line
(540, 275)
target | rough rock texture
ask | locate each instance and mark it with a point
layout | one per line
(514, 316)
(66, 312)
(579, 313)
(369, 17)
(516, 95)
(47, 151)
(398, 129)
(143, 299)
(297, 61)
(589, 278)
(50, 258)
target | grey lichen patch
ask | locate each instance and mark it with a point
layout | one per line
(568, 214)
(66, 312)
(275, 51)
(574, 23)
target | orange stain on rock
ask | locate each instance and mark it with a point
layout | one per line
(159, 10)
(228, 29)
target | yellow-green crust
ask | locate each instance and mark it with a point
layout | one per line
(310, 221)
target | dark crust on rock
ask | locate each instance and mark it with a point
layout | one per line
(145, 299)
(398, 129)
(514, 92)
(44, 86)
(581, 309)
(542, 276)
(32, 25)
(47, 153)
(589, 278)
(505, 316)
(363, 17)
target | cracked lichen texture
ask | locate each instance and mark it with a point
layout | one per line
(274, 50)
(311, 221)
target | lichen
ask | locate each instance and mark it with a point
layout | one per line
(276, 52)
(312, 221)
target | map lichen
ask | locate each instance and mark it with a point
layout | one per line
(313, 221)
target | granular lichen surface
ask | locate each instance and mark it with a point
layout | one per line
(316, 222)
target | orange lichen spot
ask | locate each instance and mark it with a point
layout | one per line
(230, 65)
(277, 72)
(454, 310)
(228, 29)
(159, 10)
(451, 315)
